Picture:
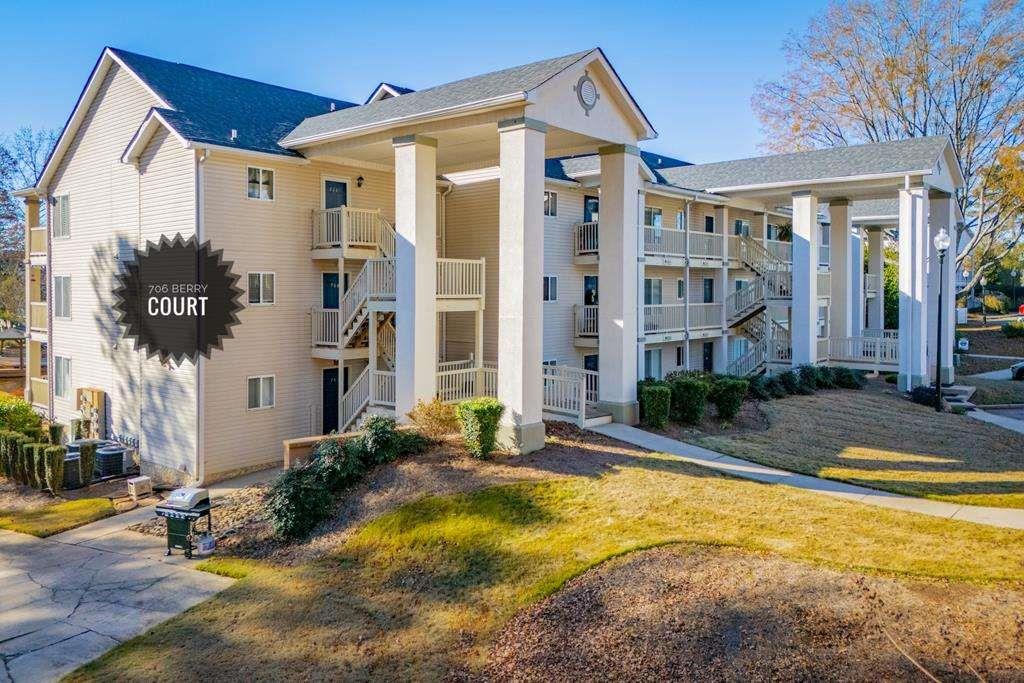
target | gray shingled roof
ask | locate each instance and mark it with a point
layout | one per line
(564, 168)
(875, 207)
(519, 79)
(900, 156)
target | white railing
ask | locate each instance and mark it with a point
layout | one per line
(346, 225)
(823, 348)
(781, 250)
(40, 387)
(872, 282)
(375, 280)
(751, 360)
(778, 284)
(37, 241)
(568, 391)
(747, 297)
(461, 278)
(705, 316)
(37, 315)
(666, 318)
(465, 383)
(664, 241)
(881, 334)
(325, 326)
(734, 246)
(755, 255)
(585, 238)
(705, 245)
(873, 350)
(823, 255)
(383, 387)
(328, 228)
(386, 341)
(824, 284)
(464, 364)
(355, 399)
(585, 320)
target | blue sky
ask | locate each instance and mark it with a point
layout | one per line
(692, 66)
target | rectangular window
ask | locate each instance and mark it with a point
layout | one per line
(773, 231)
(680, 356)
(550, 288)
(260, 183)
(681, 289)
(62, 216)
(590, 362)
(261, 288)
(652, 291)
(709, 223)
(709, 290)
(652, 363)
(61, 377)
(62, 296)
(550, 203)
(741, 227)
(590, 290)
(680, 220)
(261, 392)
(652, 217)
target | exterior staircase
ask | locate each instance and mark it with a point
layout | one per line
(747, 309)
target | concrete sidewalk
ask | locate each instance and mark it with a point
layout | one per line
(999, 517)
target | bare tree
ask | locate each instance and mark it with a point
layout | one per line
(876, 70)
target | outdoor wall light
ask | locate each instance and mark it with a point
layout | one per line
(359, 181)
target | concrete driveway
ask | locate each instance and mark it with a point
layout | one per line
(62, 605)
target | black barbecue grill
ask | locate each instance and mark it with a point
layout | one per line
(184, 509)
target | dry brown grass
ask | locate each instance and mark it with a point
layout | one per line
(875, 438)
(988, 338)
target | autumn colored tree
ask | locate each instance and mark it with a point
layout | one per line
(877, 70)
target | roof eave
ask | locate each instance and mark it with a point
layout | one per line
(648, 131)
(817, 181)
(479, 106)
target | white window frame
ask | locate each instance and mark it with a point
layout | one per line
(550, 203)
(651, 289)
(548, 280)
(744, 226)
(248, 284)
(54, 289)
(61, 217)
(61, 386)
(336, 179)
(273, 392)
(654, 353)
(649, 213)
(273, 183)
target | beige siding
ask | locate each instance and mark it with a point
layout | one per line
(271, 340)
(558, 261)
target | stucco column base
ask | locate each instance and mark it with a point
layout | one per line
(907, 382)
(521, 439)
(947, 375)
(626, 413)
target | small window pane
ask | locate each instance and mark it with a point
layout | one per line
(267, 191)
(550, 203)
(268, 288)
(681, 289)
(709, 223)
(254, 183)
(254, 392)
(254, 288)
(267, 396)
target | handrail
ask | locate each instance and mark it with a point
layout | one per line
(780, 250)
(324, 327)
(705, 244)
(40, 387)
(872, 282)
(383, 388)
(751, 361)
(568, 390)
(461, 278)
(879, 351)
(585, 320)
(376, 279)
(824, 283)
(883, 334)
(585, 238)
(355, 399)
(778, 284)
(37, 241)
(37, 312)
(664, 241)
(705, 315)
(664, 318)
(348, 225)
(386, 341)
(464, 383)
(743, 299)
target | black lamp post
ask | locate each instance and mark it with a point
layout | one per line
(984, 311)
(942, 242)
(1016, 277)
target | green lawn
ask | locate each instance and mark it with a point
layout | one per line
(420, 593)
(994, 392)
(883, 441)
(52, 519)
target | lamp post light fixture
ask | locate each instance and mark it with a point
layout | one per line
(941, 242)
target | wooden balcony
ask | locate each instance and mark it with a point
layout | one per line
(40, 388)
(664, 246)
(706, 246)
(37, 241)
(666, 322)
(37, 316)
(584, 243)
(585, 325)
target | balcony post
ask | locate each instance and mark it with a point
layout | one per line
(876, 269)
(722, 224)
(913, 249)
(415, 271)
(856, 282)
(621, 239)
(31, 221)
(521, 144)
(803, 319)
(840, 310)
(942, 214)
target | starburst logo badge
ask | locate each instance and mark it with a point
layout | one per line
(177, 299)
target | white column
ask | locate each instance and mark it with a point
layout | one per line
(618, 322)
(803, 321)
(520, 282)
(856, 283)
(722, 223)
(415, 272)
(876, 268)
(942, 214)
(840, 323)
(913, 227)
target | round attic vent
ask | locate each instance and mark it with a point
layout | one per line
(586, 93)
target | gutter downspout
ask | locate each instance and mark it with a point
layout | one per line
(686, 283)
(443, 233)
(200, 468)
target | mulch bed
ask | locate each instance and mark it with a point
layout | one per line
(681, 612)
(14, 496)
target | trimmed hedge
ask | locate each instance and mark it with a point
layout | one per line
(1013, 329)
(53, 457)
(790, 382)
(297, 502)
(757, 388)
(55, 431)
(479, 418)
(87, 461)
(689, 399)
(648, 382)
(657, 400)
(727, 395)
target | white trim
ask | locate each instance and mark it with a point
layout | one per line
(549, 300)
(53, 296)
(260, 377)
(818, 181)
(261, 273)
(324, 178)
(383, 89)
(262, 156)
(477, 175)
(137, 145)
(273, 184)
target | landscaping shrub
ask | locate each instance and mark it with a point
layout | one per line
(379, 439)
(757, 388)
(689, 399)
(649, 382)
(790, 382)
(87, 461)
(923, 395)
(297, 502)
(727, 395)
(55, 431)
(1013, 329)
(478, 418)
(776, 388)
(17, 462)
(53, 456)
(845, 378)
(337, 465)
(39, 463)
(435, 419)
(6, 462)
(17, 414)
(996, 302)
(890, 378)
(807, 379)
(658, 401)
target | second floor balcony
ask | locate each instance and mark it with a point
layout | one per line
(662, 246)
(37, 241)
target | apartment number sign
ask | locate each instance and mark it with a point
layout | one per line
(177, 299)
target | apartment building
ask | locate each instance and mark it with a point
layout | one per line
(500, 235)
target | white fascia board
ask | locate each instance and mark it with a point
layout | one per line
(263, 156)
(696, 195)
(817, 181)
(477, 107)
(137, 145)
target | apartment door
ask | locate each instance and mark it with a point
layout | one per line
(590, 290)
(331, 295)
(335, 194)
(590, 362)
(330, 400)
(590, 206)
(709, 356)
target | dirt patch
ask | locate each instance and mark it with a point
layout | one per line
(244, 531)
(973, 365)
(751, 418)
(679, 613)
(14, 496)
(988, 338)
